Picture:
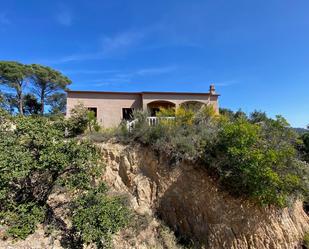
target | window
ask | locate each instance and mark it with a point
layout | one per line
(93, 109)
(153, 111)
(127, 113)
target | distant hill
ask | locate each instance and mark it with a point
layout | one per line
(301, 130)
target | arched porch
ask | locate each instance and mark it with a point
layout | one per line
(192, 105)
(154, 106)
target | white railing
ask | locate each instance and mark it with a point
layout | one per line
(152, 121)
(131, 124)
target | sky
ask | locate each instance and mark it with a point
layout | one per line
(256, 52)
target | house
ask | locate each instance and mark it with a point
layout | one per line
(111, 108)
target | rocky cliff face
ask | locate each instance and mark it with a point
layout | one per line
(187, 199)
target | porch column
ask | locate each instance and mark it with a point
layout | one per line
(145, 108)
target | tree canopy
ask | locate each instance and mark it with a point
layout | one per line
(57, 102)
(31, 85)
(47, 81)
(15, 76)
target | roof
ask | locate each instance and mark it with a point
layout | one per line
(141, 93)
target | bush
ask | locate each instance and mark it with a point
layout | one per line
(304, 149)
(80, 120)
(184, 116)
(96, 216)
(92, 121)
(306, 240)
(23, 219)
(257, 161)
(101, 136)
(181, 138)
(35, 158)
(166, 112)
(252, 157)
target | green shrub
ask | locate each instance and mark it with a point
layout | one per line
(34, 158)
(97, 216)
(205, 115)
(258, 117)
(80, 120)
(226, 113)
(103, 135)
(166, 112)
(306, 240)
(252, 157)
(92, 122)
(184, 116)
(23, 219)
(182, 138)
(304, 149)
(258, 162)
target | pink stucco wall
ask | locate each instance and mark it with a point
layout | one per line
(109, 104)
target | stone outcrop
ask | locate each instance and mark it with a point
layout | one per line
(189, 201)
(38, 240)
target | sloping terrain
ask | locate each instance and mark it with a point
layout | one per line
(189, 201)
(186, 199)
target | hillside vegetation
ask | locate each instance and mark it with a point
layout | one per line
(256, 157)
(36, 159)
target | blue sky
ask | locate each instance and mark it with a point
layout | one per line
(255, 51)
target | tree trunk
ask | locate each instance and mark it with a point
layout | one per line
(19, 91)
(42, 100)
(20, 102)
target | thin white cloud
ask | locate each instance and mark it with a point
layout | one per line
(69, 58)
(119, 77)
(155, 70)
(4, 20)
(145, 72)
(78, 57)
(64, 16)
(89, 71)
(121, 43)
(227, 83)
(132, 76)
(111, 46)
(103, 84)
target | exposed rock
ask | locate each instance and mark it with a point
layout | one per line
(38, 240)
(146, 232)
(189, 201)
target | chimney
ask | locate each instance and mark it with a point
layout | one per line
(212, 89)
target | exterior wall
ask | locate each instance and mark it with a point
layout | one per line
(178, 99)
(214, 100)
(109, 105)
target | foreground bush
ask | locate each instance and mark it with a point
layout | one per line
(96, 216)
(258, 161)
(36, 158)
(23, 219)
(80, 120)
(306, 241)
(304, 149)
